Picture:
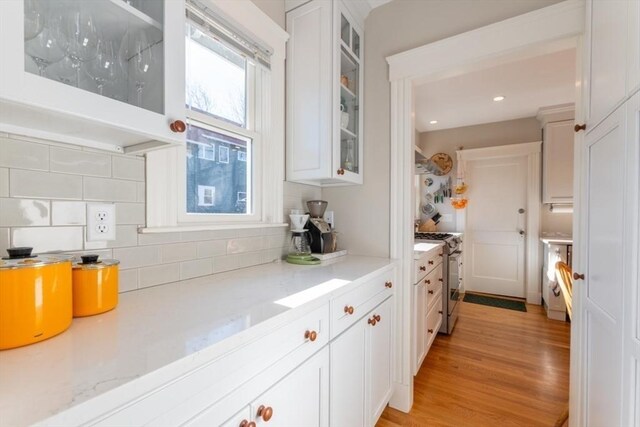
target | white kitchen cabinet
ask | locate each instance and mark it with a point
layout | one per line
(612, 52)
(361, 369)
(300, 399)
(129, 110)
(557, 124)
(324, 94)
(420, 309)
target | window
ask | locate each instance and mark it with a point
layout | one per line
(229, 173)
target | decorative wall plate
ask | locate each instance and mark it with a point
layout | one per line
(443, 162)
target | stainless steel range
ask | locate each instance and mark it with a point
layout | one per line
(451, 271)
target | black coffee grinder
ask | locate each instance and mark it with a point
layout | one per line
(323, 240)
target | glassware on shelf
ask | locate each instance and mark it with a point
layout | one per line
(82, 36)
(142, 63)
(105, 68)
(64, 71)
(349, 158)
(34, 11)
(49, 46)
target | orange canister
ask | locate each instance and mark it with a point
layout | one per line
(35, 297)
(95, 286)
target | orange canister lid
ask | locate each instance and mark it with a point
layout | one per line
(22, 258)
(91, 262)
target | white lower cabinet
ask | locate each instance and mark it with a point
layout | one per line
(361, 369)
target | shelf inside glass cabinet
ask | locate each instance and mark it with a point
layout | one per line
(113, 48)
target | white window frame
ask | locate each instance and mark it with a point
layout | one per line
(166, 168)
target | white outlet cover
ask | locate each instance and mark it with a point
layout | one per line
(101, 222)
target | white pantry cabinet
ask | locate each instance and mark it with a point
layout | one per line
(324, 94)
(53, 85)
(613, 47)
(361, 369)
(557, 153)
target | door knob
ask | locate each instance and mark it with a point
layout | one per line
(266, 412)
(178, 126)
(348, 309)
(577, 276)
(310, 335)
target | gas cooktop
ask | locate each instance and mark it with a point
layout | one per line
(433, 236)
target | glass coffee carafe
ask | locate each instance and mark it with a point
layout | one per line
(300, 243)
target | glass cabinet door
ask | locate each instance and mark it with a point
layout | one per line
(350, 98)
(113, 48)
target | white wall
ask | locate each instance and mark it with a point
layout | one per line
(362, 212)
(489, 135)
(273, 8)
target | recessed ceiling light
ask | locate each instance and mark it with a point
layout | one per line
(433, 122)
(498, 98)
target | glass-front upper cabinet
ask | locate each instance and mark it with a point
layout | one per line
(111, 72)
(350, 147)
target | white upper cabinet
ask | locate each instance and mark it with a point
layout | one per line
(613, 49)
(557, 150)
(324, 94)
(107, 74)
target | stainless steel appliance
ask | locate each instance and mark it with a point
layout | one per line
(451, 272)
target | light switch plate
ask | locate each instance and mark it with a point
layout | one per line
(101, 222)
(328, 217)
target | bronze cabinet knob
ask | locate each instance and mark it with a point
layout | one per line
(372, 321)
(430, 262)
(430, 291)
(439, 311)
(423, 268)
(178, 126)
(311, 335)
(430, 331)
(578, 127)
(265, 412)
(246, 423)
(577, 276)
(440, 279)
(377, 317)
(348, 309)
(427, 281)
(388, 284)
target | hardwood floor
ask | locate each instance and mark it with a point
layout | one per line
(498, 368)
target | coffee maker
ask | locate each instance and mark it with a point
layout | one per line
(323, 238)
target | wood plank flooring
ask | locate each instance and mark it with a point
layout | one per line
(498, 368)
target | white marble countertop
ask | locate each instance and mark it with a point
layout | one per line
(556, 238)
(173, 324)
(420, 248)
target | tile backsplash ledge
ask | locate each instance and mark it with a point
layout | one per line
(44, 188)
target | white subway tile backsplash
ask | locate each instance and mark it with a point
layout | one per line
(126, 236)
(48, 239)
(225, 263)
(211, 248)
(79, 162)
(158, 238)
(131, 168)
(139, 256)
(23, 155)
(4, 182)
(245, 244)
(23, 212)
(5, 241)
(128, 280)
(141, 195)
(24, 183)
(68, 213)
(159, 274)
(102, 253)
(178, 252)
(113, 190)
(130, 213)
(196, 268)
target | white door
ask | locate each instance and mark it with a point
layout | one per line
(601, 298)
(495, 225)
(379, 354)
(348, 377)
(300, 399)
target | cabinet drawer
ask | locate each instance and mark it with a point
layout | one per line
(433, 321)
(426, 263)
(348, 308)
(178, 400)
(433, 286)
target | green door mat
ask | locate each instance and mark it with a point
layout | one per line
(495, 302)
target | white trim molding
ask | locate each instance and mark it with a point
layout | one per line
(550, 28)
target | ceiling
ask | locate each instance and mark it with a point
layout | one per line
(527, 84)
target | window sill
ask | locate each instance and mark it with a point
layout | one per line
(203, 227)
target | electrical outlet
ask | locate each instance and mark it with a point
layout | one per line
(101, 222)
